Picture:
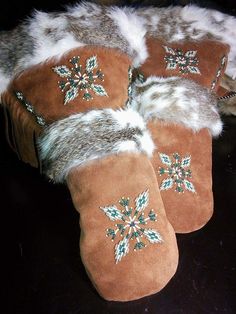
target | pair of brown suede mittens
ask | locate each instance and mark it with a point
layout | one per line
(71, 117)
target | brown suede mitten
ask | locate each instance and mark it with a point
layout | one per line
(127, 245)
(183, 168)
(78, 81)
(182, 117)
(56, 120)
(201, 61)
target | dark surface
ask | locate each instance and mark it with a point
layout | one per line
(42, 272)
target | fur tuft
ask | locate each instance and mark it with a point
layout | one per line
(133, 30)
(177, 100)
(45, 35)
(219, 25)
(81, 138)
(50, 37)
(4, 80)
(190, 22)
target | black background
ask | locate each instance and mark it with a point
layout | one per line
(41, 268)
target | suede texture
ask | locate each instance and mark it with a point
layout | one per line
(222, 92)
(104, 182)
(21, 130)
(209, 55)
(187, 211)
(40, 88)
(39, 84)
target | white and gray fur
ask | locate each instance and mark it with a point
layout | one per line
(191, 22)
(177, 100)
(46, 35)
(84, 137)
(50, 34)
(227, 103)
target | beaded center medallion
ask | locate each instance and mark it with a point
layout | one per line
(177, 172)
(185, 62)
(132, 225)
(79, 80)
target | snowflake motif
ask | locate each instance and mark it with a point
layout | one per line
(78, 79)
(177, 173)
(131, 226)
(186, 62)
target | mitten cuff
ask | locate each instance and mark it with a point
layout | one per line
(177, 100)
(81, 138)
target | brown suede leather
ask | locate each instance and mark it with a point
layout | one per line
(39, 86)
(102, 183)
(209, 54)
(221, 91)
(39, 83)
(186, 211)
(21, 130)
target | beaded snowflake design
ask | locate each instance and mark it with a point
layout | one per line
(177, 172)
(78, 79)
(186, 62)
(131, 225)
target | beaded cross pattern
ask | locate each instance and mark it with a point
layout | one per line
(186, 62)
(131, 226)
(78, 79)
(177, 172)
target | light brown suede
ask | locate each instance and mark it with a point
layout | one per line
(21, 130)
(211, 60)
(39, 83)
(189, 210)
(39, 86)
(191, 206)
(103, 183)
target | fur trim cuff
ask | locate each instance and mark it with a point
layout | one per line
(177, 100)
(80, 138)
